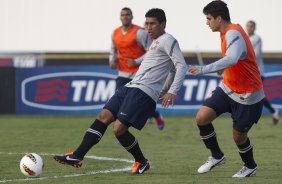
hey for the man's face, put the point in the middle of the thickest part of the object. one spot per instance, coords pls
(126, 17)
(250, 28)
(213, 23)
(154, 28)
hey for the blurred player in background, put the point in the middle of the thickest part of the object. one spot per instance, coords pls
(239, 93)
(257, 44)
(160, 76)
(129, 44)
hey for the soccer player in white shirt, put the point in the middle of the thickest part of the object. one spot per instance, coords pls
(160, 75)
(257, 44)
(127, 53)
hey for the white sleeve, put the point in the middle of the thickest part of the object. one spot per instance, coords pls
(173, 50)
(143, 39)
(236, 50)
(113, 51)
(168, 82)
(257, 45)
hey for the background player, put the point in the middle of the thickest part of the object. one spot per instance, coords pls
(257, 44)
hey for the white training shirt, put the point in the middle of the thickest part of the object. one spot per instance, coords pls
(257, 45)
(164, 57)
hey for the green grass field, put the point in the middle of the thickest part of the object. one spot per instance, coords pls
(175, 153)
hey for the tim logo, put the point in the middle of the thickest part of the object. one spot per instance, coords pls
(273, 87)
(68, 90)
(54, 89)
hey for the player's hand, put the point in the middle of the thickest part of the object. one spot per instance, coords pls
(167, 99)
(113, 65)
(193, 70)
(131, 62)
(219, 73)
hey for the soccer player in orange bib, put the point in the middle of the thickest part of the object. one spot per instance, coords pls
(239, 93)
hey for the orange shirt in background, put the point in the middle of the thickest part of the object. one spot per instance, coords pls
(127, 47)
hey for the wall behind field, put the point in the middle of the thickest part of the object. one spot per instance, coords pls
(86, 25)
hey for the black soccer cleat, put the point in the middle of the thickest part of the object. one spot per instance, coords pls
(69, 159)
(140, 168)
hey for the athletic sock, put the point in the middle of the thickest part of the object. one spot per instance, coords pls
(246, 153)
(128, 141)
(208, 135)
(159, 120)
(156, 114)
(268, 105)
(92, 136)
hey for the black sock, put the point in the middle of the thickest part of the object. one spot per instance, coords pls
(208, 135)
(156, 114)
(128, 141)
(268, 105)
(91, 137)
(246, 153)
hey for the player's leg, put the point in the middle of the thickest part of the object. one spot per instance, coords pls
(207, 133)
(268, 106)
(204, 118)
(159, 120)
(120, 82)
(130, 143)
(92, 136)
(274, 112)
(212, 108)
(246, 153)
(134, 113)
(95, 132)
(244, 116)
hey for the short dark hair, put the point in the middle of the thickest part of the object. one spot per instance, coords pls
(157, 13)
(127, 9)
(252, 22)
(217, 8)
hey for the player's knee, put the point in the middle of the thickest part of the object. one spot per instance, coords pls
(119, 128)
(205, 116)
(105, 116)
(201, 118)
(239, 138)
(118, 131)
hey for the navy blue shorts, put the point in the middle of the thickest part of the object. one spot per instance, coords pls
(244, 116)
(121, 81)
(131, 106)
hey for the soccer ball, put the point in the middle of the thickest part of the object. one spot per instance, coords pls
(31, 165)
